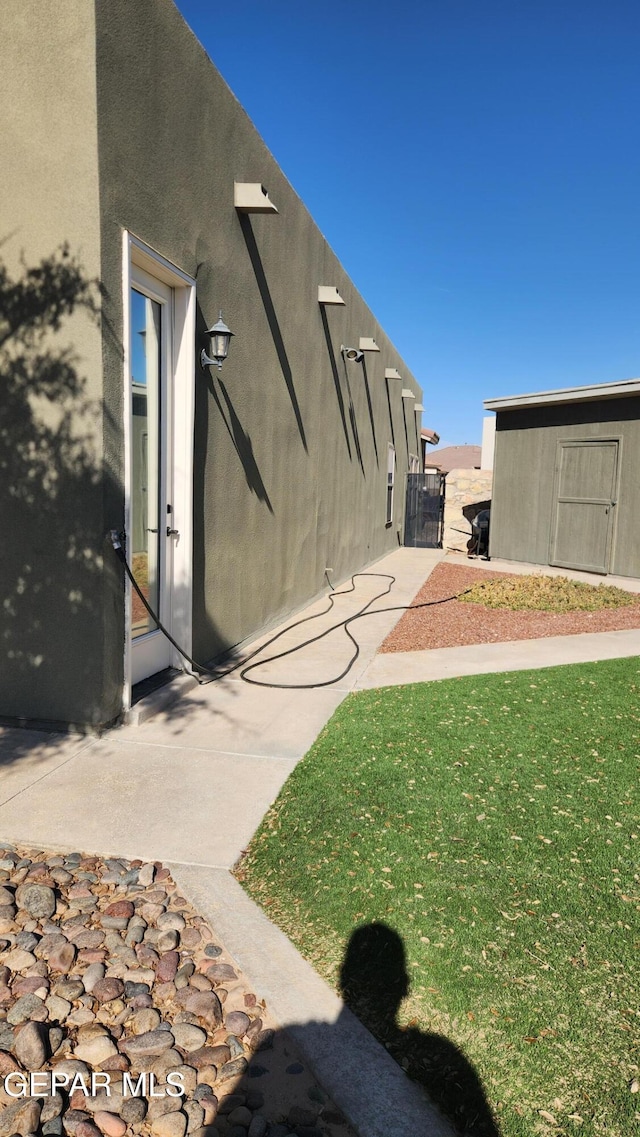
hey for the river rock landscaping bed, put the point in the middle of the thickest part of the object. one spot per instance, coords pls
(115, 995)
(456, 624)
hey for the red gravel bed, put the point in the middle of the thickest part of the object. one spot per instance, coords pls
(457, 624)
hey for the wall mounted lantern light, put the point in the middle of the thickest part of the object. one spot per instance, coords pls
(352, 353)
(220, 336)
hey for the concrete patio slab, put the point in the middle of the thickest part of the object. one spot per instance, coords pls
(149, 801)
(236, 718)
(192, 782)
(27, 756)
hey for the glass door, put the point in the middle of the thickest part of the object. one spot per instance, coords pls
(150, 531)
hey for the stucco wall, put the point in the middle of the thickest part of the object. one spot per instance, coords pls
(488, 442)
(462, 489)
(524, 475)
(56, 617)
(290, 443)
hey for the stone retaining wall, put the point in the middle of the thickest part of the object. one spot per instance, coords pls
(467, 491)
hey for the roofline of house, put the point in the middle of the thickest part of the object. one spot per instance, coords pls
(619, 390)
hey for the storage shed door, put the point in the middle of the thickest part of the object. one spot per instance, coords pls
(586, 481)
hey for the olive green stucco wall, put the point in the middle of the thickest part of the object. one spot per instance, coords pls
(58, 631)
(290, 443)
(523, 503)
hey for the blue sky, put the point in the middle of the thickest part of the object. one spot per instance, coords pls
(474, 164)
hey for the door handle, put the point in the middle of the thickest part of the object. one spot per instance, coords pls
(172, 532)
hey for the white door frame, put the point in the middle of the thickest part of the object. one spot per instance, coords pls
(182, 367)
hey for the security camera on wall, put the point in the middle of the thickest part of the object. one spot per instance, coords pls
(352, 353)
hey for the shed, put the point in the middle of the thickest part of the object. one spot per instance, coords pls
(567, 477)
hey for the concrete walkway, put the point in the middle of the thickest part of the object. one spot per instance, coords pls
(190, 781)
(392, 669)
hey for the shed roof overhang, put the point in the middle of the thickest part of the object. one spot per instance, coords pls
(620, 390)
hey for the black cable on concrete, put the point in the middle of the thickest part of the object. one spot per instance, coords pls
(216, 674)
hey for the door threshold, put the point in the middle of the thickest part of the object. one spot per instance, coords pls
(156, 694)
(153, 683)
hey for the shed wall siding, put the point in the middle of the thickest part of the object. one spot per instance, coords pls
(523, 507)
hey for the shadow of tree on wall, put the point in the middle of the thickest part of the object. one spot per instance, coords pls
(51, 493)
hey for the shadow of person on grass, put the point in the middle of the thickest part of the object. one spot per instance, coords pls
(287, 1078)
(374, 981)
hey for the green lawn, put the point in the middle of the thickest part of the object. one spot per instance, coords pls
(492, 822)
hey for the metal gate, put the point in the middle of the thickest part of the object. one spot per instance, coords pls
(424, 511)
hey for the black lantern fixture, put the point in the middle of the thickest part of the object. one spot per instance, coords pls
(220, 336)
